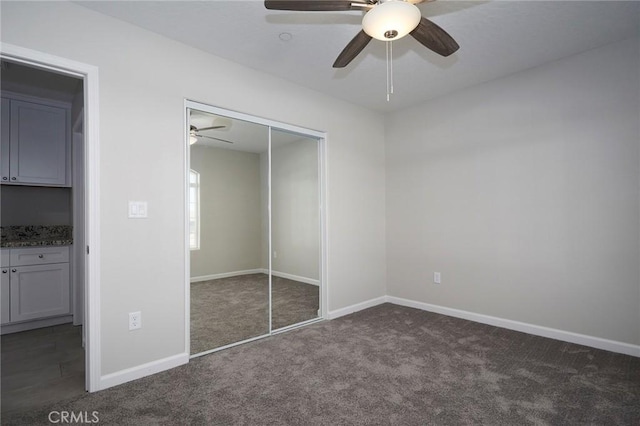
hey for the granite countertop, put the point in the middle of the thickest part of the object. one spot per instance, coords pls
(36, 235)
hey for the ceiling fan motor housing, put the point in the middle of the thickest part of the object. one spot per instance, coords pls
(391, 20)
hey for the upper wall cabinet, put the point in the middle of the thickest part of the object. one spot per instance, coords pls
(35, 142)
(6, 134)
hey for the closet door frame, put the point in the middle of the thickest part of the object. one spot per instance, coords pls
(321, 138)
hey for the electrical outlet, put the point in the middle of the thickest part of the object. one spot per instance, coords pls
(135, 320)
(436, 277)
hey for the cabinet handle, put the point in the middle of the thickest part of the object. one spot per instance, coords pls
(5, 178)
(14, 270)
(41, 256)
(4, 271)
(13, 178)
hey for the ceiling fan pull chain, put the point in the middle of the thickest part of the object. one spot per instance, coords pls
(391, 66)
(389, 70)
(389, 49)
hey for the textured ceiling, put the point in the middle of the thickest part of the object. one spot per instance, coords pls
(497, 38)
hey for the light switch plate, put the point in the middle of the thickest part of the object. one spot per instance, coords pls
(137, 209)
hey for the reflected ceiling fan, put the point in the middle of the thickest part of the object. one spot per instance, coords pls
(386, 20)
(194, 133)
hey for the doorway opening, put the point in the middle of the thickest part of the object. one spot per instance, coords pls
(50, 338)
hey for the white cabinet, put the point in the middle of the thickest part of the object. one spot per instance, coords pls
(5, 297)
(39, 291)
(5, 302)
(35, 143)
(5, 109)
(35, 283)
(38, 255)
(5, 256)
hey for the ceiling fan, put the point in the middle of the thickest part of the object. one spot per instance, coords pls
(385, 20)
(194, 133)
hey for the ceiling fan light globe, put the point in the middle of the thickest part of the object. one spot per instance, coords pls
(391, 20)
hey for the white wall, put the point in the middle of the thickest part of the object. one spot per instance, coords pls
(144, 79)
(230, 211)
(295, 223)
(523, 193)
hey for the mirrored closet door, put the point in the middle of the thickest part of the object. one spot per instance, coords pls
(227, 210)
(295, 228)
(255, 232)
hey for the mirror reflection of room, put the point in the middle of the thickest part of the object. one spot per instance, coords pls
(295, 228)
(229, 289)
(230, 229)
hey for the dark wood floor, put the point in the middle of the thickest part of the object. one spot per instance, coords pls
(40, 367)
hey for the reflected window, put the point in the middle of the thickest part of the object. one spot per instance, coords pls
(194, 210)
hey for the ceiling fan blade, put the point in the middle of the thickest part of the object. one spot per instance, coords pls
(354, 47)
(311, 5)
(434, 38)
(211, 137)
(211, 128)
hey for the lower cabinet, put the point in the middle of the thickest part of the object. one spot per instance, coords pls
(6, 302)
(39, 291)
(35, 284)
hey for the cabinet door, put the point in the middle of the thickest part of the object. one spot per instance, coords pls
(39, 291)
(4, 296)
(38, 149)
(4, 140)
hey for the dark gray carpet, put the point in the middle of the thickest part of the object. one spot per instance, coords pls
(293, 302)
(385, 365)
(233, 309)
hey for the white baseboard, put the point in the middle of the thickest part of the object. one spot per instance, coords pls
(295, 278)
(256, 271)
(537, 330)
(357, 307)
(143, 370)
(225, 275)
